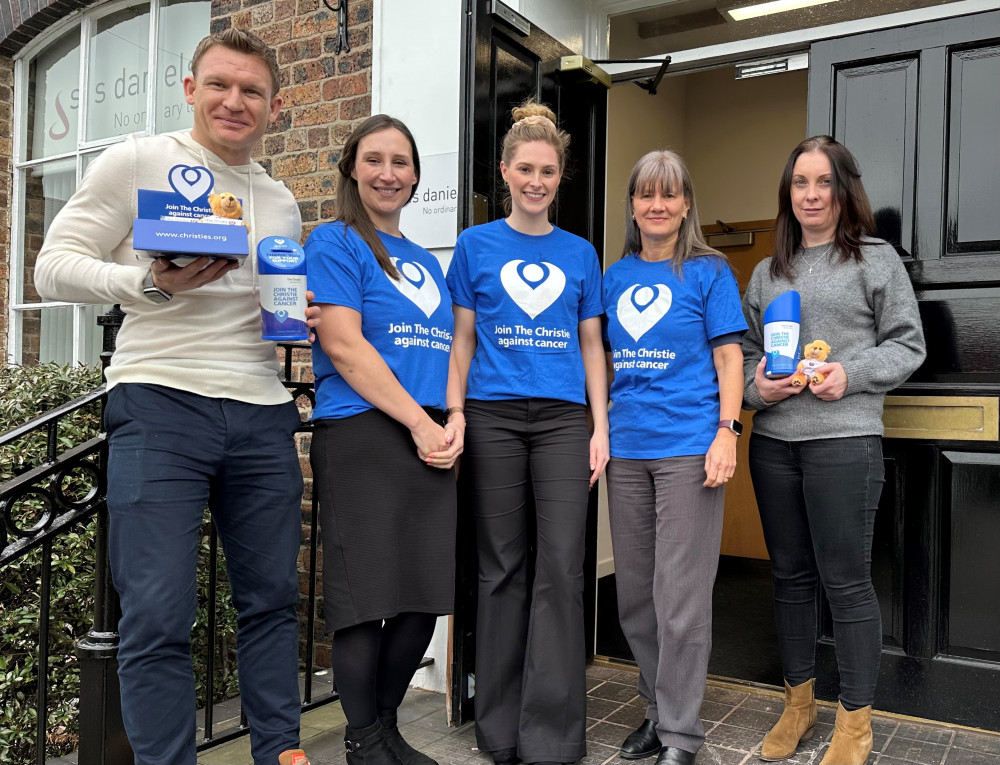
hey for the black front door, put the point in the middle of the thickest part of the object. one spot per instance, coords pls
(919, 107)
(506, 60)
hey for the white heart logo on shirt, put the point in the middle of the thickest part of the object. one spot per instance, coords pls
(639, 308)
(190, 182)
(532, 286)
(418, 285)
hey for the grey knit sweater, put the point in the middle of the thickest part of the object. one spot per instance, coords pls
(866, 312)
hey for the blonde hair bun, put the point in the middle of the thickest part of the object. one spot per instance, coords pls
(533, 113)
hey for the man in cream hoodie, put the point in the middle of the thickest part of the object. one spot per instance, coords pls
(196, 414)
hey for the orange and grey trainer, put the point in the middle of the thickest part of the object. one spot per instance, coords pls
(293, 757)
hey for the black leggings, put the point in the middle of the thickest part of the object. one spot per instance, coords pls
(817, 503)
(373, 663)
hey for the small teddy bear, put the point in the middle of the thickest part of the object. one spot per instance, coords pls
(813, 356)
(225, 206)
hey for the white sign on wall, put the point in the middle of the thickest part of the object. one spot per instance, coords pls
(431, 217)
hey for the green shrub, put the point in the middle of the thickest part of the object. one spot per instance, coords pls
(27, 393)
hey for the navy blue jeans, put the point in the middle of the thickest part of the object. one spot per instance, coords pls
(172, 454)
(817, 503)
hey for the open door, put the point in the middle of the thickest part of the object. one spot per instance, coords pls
(919, 107)
(507, 59)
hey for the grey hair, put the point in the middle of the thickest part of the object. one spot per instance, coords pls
(665, 170)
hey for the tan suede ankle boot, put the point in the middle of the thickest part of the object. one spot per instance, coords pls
(797, 723)
(852, 738)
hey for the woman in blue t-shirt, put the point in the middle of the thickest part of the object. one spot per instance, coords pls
(674, 325)
(388, 430)
(529, 350)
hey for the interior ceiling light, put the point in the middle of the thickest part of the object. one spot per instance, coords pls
(775, 6)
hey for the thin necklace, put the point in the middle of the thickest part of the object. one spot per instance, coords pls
(816, 262)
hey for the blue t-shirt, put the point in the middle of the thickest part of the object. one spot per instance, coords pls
(409, 322)
(665, 395)
(530, 294)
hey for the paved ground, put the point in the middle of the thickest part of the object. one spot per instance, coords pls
(736, 718)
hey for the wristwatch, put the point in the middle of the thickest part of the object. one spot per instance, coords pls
(734, 425)
(153, 292)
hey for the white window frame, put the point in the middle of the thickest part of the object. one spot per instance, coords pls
(84, 20)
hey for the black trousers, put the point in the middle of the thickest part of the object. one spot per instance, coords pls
(817, 503)
(530, 649)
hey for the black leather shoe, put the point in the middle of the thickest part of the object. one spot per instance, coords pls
(671, 755)
(505, 757)
(642, 742)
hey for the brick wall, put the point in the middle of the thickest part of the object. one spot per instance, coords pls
(325, 94)
(6, 151)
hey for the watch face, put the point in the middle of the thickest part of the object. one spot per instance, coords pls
(156, 295)
(734, 425)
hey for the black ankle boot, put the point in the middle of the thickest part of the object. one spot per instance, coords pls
(397, 744)
(368, 746)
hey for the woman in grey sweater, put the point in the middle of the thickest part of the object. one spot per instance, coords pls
(816, 449)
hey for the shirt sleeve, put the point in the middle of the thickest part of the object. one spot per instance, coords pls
(753, 340)
(334, 268)
(899, 336)
(590, 303)
(723, 313)
(74, 263)
(459, 283)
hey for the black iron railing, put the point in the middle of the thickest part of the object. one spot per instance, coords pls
(66, 491)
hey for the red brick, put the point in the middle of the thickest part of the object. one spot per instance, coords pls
(318, 137)
(318, 114)
(356, 108)
(295, 165)
(344, 86)
(308, 25)
(300, 95)
(277, 33)
(296, 140)
(274, 144)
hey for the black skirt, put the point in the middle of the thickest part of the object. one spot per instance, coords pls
(387, 522)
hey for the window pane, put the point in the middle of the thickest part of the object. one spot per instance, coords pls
(90, 336)
(47, 188)
(116, 97)
(47, 334)
(54, 98)
(182, 25)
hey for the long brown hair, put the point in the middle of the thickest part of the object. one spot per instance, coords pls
(665, 170)
(350, 209)
(533, 122)
(855, 221)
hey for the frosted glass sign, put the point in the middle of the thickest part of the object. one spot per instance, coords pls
(119, 76)
(55, 97)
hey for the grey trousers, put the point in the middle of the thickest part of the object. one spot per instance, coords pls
(530, 650)
(666, 529)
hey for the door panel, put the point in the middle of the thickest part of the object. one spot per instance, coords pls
(919, 106)
(973, 158)
(502, 66)
(886, 145)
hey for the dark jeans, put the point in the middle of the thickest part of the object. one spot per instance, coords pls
(817, 503)
(530, 651)
(172, 454)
